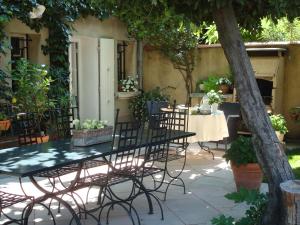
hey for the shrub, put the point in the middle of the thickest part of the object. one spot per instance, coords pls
(279, 123)
(241, 151)
(211, 84)
(138, 105)
(253, 215)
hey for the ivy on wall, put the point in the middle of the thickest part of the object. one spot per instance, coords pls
(58, 18)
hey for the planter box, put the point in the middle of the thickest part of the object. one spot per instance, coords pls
(126, 95)
(91, 137)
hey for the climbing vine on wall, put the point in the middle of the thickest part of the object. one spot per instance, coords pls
(58, 18)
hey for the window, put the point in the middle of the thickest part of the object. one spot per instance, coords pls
(121, 50)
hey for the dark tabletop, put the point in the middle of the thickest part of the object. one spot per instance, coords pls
(28, 160)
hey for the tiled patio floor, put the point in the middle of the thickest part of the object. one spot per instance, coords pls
(207, 182)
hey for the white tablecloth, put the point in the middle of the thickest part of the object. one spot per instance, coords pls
(208, 127)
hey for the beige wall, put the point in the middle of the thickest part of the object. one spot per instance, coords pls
(158, 71)
(292, 87)
(16, 27)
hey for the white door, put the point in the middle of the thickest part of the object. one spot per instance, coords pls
(107, 79)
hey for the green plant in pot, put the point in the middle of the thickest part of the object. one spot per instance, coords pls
(211, 84)
(279, 125)
(138, 105)
(32, 84)
(214, 99)
(4, 122)
(224, 84)
(246, 170)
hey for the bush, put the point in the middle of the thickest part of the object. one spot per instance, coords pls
(279, 123)
(241, 151)
(254, 199)
(211, 84)
(138, 105)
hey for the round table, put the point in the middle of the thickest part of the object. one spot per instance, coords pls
(211, 127)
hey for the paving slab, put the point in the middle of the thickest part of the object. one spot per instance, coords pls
(207, 181)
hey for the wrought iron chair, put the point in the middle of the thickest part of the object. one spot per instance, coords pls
(177, 150)
(8, 200)
(156, 154)
(26, 126)
(233, 116)
(121, 167)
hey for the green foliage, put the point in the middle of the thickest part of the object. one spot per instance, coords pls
(5, 90)
(89, 124)
(257, 202)
(224, 80)
(214, 97)
(294, 160)
(241, 151)
(58, 18)
(281, 30)
(3, 116)
(279, 123)
(32, 86)
(138, 105)
(211, 84)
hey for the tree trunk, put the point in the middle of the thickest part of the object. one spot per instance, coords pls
(268, 149)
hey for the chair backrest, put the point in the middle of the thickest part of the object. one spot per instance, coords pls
(159, 132)
(230, 108)
(26, 127)
(180, 122)
(63, 119)
(232, 113)
(126, 140)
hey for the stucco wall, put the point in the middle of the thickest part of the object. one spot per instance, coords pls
(36, 41)
(291, 97)
(158, 71)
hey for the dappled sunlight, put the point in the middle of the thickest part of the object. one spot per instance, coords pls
(194, 176)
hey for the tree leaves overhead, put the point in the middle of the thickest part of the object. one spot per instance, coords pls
(248, 13)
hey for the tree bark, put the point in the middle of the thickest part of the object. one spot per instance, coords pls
(268, 149)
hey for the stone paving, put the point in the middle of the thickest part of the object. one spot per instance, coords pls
(207, 182)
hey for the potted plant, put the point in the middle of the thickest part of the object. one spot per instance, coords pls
(246, 170)
(138, 105)
(224, 84)
(128, 87)
(4, 122)
(210, 84)
(91, 132)
(214, 99)
(32, 83)
(279, 125)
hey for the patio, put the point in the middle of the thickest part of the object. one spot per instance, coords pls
(207, 182)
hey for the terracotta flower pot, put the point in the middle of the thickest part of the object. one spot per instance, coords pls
(4, 125)
(248, 176)
(42, 139)
(224, 88)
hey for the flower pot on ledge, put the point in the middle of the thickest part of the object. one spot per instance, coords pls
(126, 95)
